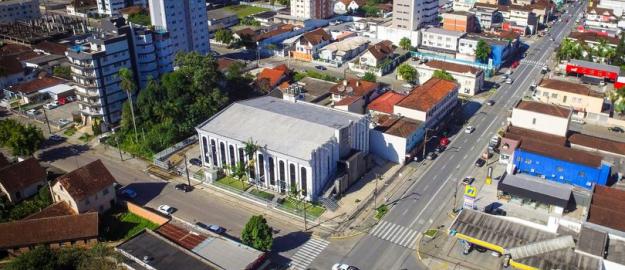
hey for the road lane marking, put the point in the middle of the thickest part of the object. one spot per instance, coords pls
(430, 201)
(396, 234)
(387, 232)
(307, 253)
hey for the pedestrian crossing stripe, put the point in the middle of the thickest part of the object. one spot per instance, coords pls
(306, 254)
(395, 234)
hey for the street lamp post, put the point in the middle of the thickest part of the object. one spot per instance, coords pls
(425, 141)
(47, 120)
(186, 167)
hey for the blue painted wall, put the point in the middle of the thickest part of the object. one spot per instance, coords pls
(559, 170)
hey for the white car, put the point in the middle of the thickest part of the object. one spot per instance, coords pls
(342, 266)
(31, 112)
(469, 129)
(509, 81)
(64, 122)
(166, 209)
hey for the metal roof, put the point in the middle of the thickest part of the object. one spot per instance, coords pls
(592, 241)
(537, 189)
(594, 65)
(227, 253)
(542, 247)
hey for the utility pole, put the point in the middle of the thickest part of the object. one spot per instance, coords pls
(305, 219)
(47, 121)
(425, 141)
(187, 169)
(375, 191)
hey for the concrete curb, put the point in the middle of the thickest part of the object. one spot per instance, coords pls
(345, 237)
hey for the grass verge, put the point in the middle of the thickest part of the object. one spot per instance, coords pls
(234, 183)
(381, 211)
(312, 210)
(261, 194)
(431, 233)
(70, 131)
(119, 224)
(244, 11)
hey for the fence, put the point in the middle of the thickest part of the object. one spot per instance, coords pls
(147, 214)
(160, 159)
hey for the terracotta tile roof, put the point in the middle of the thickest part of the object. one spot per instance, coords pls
(347, 100)
(281, 29)
(20, 175)
(601, 11)
(352, 87)
(562, 153)
(57, 229)
(452, 67)
(54, 210)
(382, 49)
(246, 32)
(397, 126)
(37, 84)
(316, 36)
(598, 143)
(11, 65)
(13, 49)
(51, 47)
(385, 102)
(3, 161)
(569, 87)
(180, 236)
(607, 208)
(86, 180)
(424, 97)
(593, 37)
(283, 86)
(521, 134)
(520, 7)
(544, 108)
(274, 75)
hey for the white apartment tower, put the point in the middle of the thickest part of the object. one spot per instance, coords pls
(13, 10)
(414, 14)
(312, 9)
(185, 20)
(112, 7)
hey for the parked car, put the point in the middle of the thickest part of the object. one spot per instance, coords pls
(183, 187)
(64, 122)
(195, 161)
(31, 112)
(166, 209)
(616, 129)
(509, 80)
(430, 156)
(51, 105)
(469, 129)
(490, 102)
(129, 193)
(439, 149)
(480, 162)
(342, 266)
(320, 67)
(56, 138)
(468, 180)
(211, 227)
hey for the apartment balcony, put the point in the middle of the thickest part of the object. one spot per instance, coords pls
(91, 112)
(87, 93)
(84, 75)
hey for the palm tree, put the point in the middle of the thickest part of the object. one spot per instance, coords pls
(250, 150)
(128, 84)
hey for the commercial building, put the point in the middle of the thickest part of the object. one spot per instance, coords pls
(96, 62)
(503, 47)
(396, 138)
(385, 103)
(291, 156)
(601, 18)
(86, 189)
(593, 70)
(438, 40)
(461, 21)
(471, 79)
(547, 118)
(548, 196)
(413, 14)
(14, 10)
(429, 102)
(186, 21)
(581, 99)
(312, 9)
(592, 39)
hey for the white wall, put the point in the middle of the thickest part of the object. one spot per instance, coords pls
(540, 122)
(389, 147)
(410, 113)
(396, 34)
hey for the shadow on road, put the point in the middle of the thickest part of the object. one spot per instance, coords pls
(146, 191)
(286, 243)
(62, 152)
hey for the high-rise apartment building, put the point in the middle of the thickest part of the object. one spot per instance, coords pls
(312, 9)
(413, 14)
(112, 7)
(96, 63)
(13, 10)
(185, 20)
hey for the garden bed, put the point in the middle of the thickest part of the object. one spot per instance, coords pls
(262, 194)
(312, 210)
(233, 183)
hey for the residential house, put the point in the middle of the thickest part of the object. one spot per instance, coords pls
(386, 10)
(461, 21)
(307, 89)
(15, 72)
(54, 231)
(344, 50)
(88, 188)
(384, 104)
(22, 180)
(265, 18)
(275, 35)
(440, 41)
(33, 91)
(581, 99)
(221, 17)
(471, 79)
(487, 16)
(430, 102)
(347, 6)
(353, 95)
(291, 156)
(396, 138)
(601, 18)
(274, 76)
(379, 59)
(308, 46)
(547, 118)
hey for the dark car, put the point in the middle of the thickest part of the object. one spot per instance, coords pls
(195, 161)
(490, 102)
(320, 67)
(480, 162)
(211, 227)
(616, 129)
(183, 187)
(431, 156)
(439, 149)
(468, 180)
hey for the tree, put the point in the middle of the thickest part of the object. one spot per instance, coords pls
(482, 51)
(41, 257)
(140, 18)
(250, 150)
(370, 11)
(443, 75)
(257, 233)
(99, 257)
(23, 140)
(62, 71)
(405, 43)
(407, 72)
(284, 2)
(619, 54)
(128, 85)
(224, 36)
(234, 71)
(369, 76)
(249, 21)
(263, 85)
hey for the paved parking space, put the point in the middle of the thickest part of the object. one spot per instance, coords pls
(62, 112)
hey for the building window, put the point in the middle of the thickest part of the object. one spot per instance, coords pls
(205, 145)
(528, 161)
(581, 174)
(261, 167)
(293, 174)
(303, 180)
(559, 169)
(232, 161)
(214, 152)
(554, 95)
(222, 152)
(534, 121)
(241, 155)
(281, 173)
(272, 174)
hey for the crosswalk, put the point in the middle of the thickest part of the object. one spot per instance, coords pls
(307, 253)
(396, 234)
(532, 62)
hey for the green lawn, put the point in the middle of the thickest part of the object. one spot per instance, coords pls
(431, 233)
(70, 131)
(118, 225)
(234, 183)
(261, 194)
(381, 211)
(312, 210)
(244, 11)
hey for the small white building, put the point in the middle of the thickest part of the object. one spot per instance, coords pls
(429, 102)
(393, 138)
(541, 117)
(346, 6)
(301, 144)
(433, 38)
(471, 79)
(342, 51)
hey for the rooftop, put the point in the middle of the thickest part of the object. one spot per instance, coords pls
(593, 65)
(543, 108)
(570, 87)
(86, 180)
(607, 208)
(346, 44)
(265, 15)
(520, 134)
(280, 125)
(56, 209)
(385, 102)
(441, 31)
(316, 36)
(354, 87)
(48, 230)
(398, 126)
(598, 143)
(51, 47)
(562, 153)
(218, 14)
(227, 253)
(36, 85)
(274, 75)
(426, 96)
(281, 29)
(593, 37)
(452, 67)
(382, 49)
(18, 176)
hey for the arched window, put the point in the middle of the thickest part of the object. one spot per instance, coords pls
(293, 173)
(303, 180)
(205, 145)
(214, 152)
(233, 162)
(222, 153)
(281, 167)
(272, 174)
(261, 167)
(241, 155)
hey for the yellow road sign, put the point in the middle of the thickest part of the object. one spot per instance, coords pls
(470, 191)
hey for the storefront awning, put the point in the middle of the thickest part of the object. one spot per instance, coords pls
(537, 189)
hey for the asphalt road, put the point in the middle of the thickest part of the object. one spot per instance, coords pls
(433, 193)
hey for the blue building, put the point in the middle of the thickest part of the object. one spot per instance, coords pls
(503, 49)
(561, 164)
